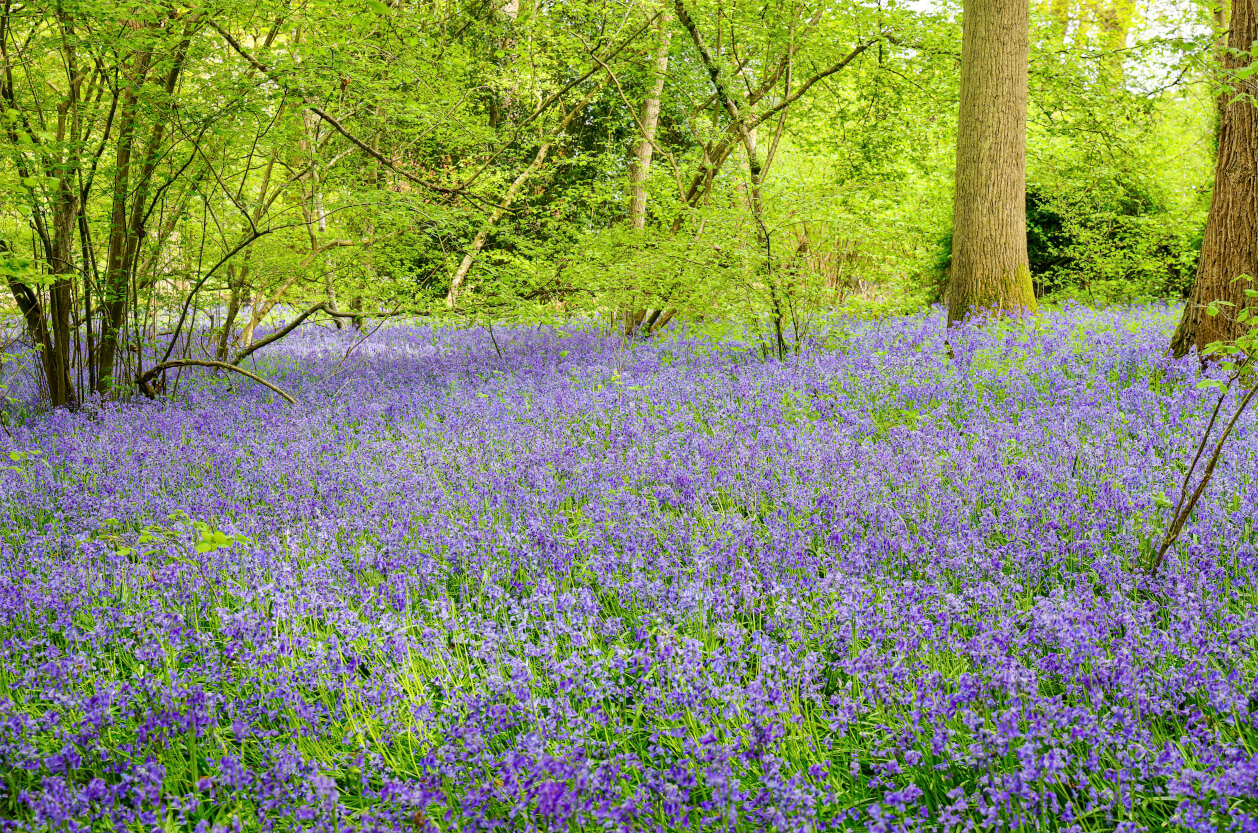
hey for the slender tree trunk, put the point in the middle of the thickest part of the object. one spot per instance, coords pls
(482, 234)
(1116, 23)
(133, 180)
(238, 280)
(1219, 14)
(32, 310)
(504, 205)
(1230, 245)
(746, 132)
(61, 294)
(48, 322)
(989, 255)
(260, 310)
(316, 215)
(234, 295)
(117, 285)
(329, 272)
(640, 168)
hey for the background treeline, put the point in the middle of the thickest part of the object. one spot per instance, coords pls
(172, 174)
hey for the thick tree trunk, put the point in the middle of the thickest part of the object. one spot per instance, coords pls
(989, 255)
(1230, 245)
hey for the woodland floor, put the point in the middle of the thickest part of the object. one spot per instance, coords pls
(580, 586)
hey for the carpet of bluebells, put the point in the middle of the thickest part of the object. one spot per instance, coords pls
(580, 585)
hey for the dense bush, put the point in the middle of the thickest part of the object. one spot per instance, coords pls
(1107, 240)
(1101, 242)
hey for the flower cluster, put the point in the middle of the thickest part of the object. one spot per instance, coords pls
(583, 585)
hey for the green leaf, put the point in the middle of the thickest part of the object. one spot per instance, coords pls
(378, 7)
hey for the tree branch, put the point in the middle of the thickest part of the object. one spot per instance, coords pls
(808, 82)
(292, 325)
(556, 96)
(337, 126)
(151, 373)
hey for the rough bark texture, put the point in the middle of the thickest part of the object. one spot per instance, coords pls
(989, 255)
(1230, 245)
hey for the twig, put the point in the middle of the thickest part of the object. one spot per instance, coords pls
(1181, 514)
(490, 326)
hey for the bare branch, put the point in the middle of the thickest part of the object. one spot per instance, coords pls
(147, 389)
(292, 325)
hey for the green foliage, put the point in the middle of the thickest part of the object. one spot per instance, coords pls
(19, 269)
(1107, 239)
(428, 115)
(1235, 358)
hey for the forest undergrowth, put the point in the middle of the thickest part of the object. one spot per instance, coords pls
(558, 583)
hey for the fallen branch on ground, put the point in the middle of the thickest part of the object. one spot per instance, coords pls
(144, 382)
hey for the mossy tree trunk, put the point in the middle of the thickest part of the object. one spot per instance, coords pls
(989, 254)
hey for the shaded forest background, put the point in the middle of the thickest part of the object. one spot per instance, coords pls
(178, 178)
